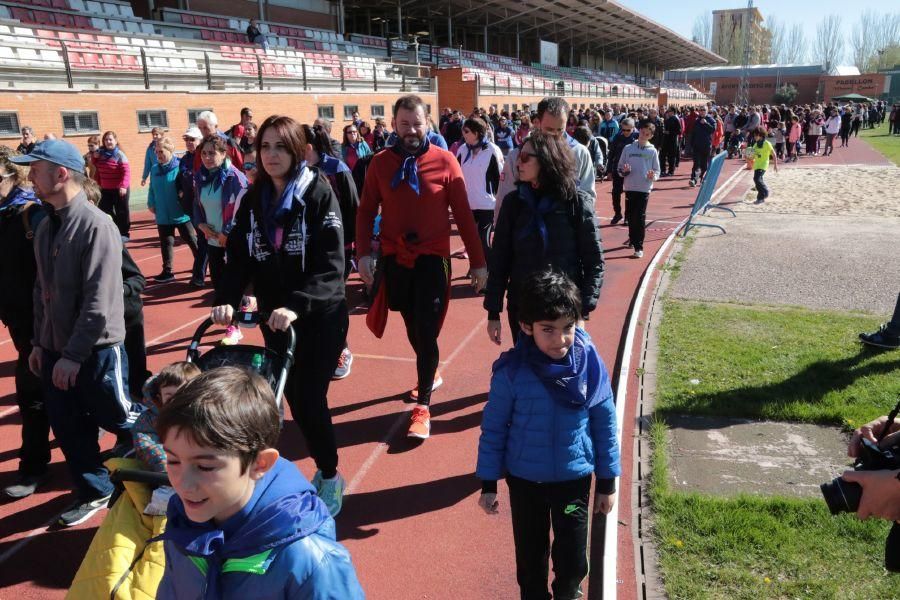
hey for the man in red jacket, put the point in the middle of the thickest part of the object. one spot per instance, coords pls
(414, 182)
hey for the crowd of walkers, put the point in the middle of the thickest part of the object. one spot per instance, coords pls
(284, 212)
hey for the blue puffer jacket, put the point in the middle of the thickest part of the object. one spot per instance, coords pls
(280, 545)
(527, 433)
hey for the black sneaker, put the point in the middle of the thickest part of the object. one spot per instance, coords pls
(615, 219)
(82, 510)
(692, 183)
(165, 276)
(881, 339)
(197, 283)
(25, 486)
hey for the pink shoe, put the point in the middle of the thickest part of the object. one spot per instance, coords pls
(232, 337)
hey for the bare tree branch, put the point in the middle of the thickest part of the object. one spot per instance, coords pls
(702, 31)
(795, 49)
(829, 42)
(779, 40)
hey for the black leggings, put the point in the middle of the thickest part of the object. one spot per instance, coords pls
(636, 213)
(484, 220)
(420, 294)
(167, 241)
(116, 206)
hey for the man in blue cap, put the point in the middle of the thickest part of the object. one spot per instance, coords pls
(79, 325)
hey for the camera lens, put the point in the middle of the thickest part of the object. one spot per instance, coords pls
(841, 496)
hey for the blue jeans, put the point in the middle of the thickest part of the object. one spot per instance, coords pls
(98, 399)
(762, 191)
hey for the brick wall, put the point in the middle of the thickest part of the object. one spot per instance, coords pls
(871, 85)
(118, 112)
(762, 89)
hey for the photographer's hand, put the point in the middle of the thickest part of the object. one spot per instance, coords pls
(880, 495)
(869, 431)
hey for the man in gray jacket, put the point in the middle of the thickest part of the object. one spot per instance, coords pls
(79, 324)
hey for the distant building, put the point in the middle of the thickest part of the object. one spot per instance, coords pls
(728, 35)
(764, 81)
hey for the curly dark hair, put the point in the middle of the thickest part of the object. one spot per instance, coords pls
(557, 164)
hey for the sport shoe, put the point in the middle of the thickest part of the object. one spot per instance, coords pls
(881, 339)
(345, 361)
(197, 282)
(330, 491)
(25, 486)
(233, 336)
(615, 219)
(692, 183)
(438, 382)
(420, 423)
(81, 511)
(759, 201)
(638, 254)
(165, 276)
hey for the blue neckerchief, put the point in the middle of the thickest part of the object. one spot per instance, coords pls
(573, 381)
(482, 145)
(172, 164)
(216, 177)
(331, 165)
(274, 212)
(539, 207)
(409, 170)
(17, 197)
(186, 164)
(114, 154)
(570, 140)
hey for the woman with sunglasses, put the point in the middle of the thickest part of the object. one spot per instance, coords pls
(288, 243)
(547, 222)
(354, 147)
(482, 163)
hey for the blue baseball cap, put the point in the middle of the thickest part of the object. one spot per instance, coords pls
(58, 152)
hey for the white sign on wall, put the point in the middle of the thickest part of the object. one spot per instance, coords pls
(549, 53)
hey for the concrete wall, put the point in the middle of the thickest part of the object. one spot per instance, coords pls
(118, 112)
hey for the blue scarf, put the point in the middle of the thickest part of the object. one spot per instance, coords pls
(573, 381)
(275, 212)
(539, 207)
(409, 170)
(18, 197)
(114, 154)
(166, 168)
(330, 165)
(216, 177)
(482, 145)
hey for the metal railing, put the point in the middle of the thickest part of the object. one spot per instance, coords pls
(561, 88)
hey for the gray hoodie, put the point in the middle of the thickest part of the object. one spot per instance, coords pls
(78, 299)
(640, 159)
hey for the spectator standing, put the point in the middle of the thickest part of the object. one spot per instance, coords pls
(28, 141)
(584, 137)
(626, 136)
(168, 212)
(793, 140)
(846, 123)
(413, 185)
(186, 196)
(20, 215)
(239, 129)
(114, 177)
(504, 136)
(453, 131)
(156, 134)
(326, 125)
(247, 141)
(653, 117)
(701, 144)
(639, 166)
(813, 132)
(79, 323)
(207, 123)
(93, 144)
(669, 154)
(609, 127)
(354, 147)
(832, 129)
(481, 162)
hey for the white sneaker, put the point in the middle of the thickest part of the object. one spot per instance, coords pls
(638, 254)
(233, 336)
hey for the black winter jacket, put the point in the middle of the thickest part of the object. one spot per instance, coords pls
(133, 281)
(307, 274)
(574, 248)
(18, 269)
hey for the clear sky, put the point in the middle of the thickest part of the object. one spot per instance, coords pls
(679, 16)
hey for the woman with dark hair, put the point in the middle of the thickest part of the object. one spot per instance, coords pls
(365, 134)
(288, 243)
(344, 187)
(354, 147)
(219, 187)
(482, 163)
(547, 222)
(113, 174)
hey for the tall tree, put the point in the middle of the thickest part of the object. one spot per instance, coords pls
(862, 40)
(778, 43)
(795, 44)
(829, 42)
(701, 34)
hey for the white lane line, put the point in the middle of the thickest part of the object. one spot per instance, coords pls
(9, 411)
(380, 357)
(382, 446)
(157, 256)
(610, 541)
(22, 542)
(177, 329)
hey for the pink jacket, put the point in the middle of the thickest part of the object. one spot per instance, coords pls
(794, 134)
(112, 172)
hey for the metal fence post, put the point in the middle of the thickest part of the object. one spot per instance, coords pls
(343, 82)
(402, 81)
(303, 67)
(208, 71)
(146, 73)
(67, 64)
(375, 77)
(259, 73)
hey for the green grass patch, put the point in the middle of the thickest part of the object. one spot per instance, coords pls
(787, 364)
(674, 264)
(881, 140)
(752, 548)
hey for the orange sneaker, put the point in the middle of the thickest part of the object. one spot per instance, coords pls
(420, 424)
(438, 382)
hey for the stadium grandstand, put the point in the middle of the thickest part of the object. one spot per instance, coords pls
(79, 67)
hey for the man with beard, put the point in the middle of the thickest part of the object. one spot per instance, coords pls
(414, 183)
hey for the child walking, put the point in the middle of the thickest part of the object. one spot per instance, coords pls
(639, 165)
(548, 425)
(761, 151)
(793, 145)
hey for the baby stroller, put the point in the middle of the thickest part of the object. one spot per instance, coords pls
(120, 563)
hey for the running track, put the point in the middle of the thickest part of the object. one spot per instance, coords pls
(410, 518)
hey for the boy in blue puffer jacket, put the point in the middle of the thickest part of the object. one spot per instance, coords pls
(245, 523)
(548, 425)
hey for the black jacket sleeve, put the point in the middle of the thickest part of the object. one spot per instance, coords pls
(501, 257)
(590, 250)
(133, 283)
(323, 277)
(238, 267)
(348, 198)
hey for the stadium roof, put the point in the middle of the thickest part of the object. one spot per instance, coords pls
(755, 71)
(601, 26)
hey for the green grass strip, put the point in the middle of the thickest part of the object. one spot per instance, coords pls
(881, 140)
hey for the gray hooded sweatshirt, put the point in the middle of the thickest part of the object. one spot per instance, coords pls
(640, 159)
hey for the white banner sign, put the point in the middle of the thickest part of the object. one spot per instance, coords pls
(549, 53)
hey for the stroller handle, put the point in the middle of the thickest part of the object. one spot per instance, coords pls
(193, 352)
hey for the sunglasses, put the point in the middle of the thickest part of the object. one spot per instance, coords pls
(248, 166)
(627, 130)
(525, 157)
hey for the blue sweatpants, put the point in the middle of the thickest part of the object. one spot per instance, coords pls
(98, 399)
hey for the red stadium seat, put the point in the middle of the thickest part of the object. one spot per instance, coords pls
(64, 20)
(83, 22)
(62, 4)
(43, 17)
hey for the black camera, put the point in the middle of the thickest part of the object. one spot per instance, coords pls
(844, 496)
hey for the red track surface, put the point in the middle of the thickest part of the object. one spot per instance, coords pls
(410, 518)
